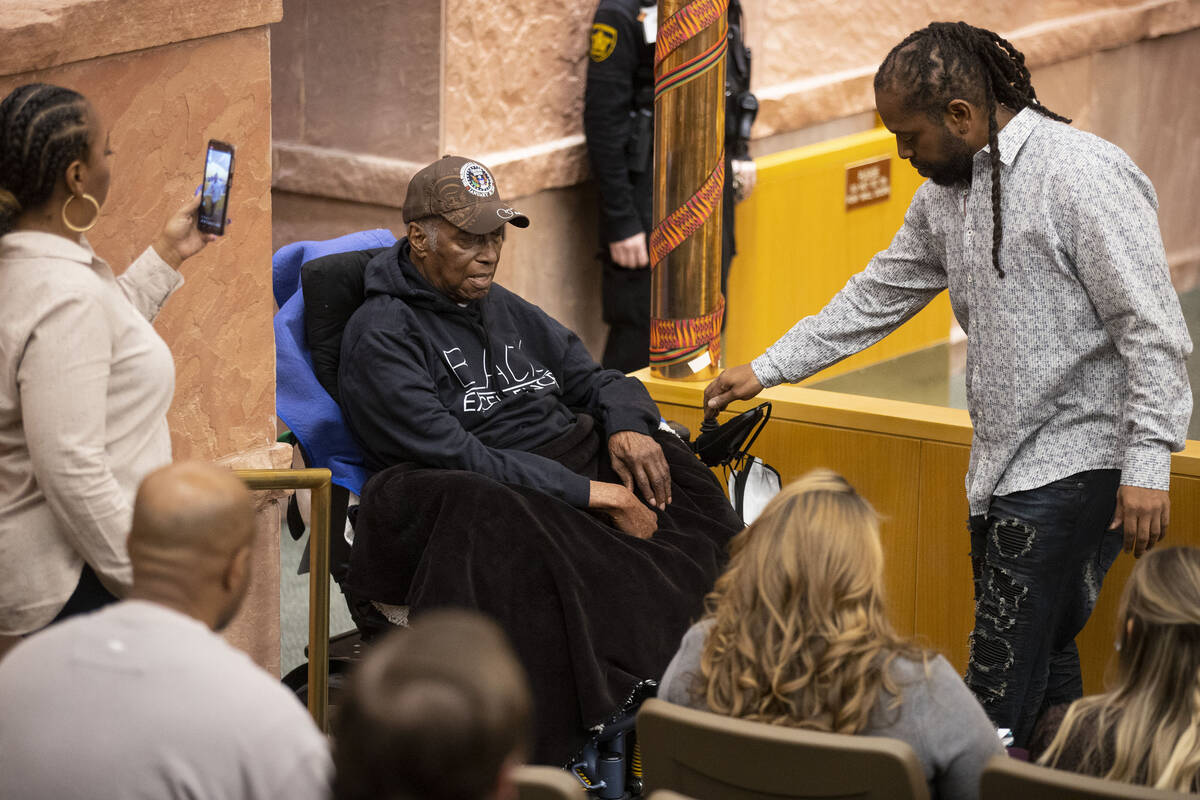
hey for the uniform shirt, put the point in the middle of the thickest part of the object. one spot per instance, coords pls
(938, 716)
(85, 384)
(620, 81)
(139, 701)
(1075, 359)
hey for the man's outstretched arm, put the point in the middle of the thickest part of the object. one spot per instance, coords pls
(896, 284)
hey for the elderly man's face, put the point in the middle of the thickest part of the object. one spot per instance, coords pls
(459, 264)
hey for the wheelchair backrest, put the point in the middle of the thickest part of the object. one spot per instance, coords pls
(333, 291)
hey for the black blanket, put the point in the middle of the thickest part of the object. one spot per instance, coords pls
(590, 610)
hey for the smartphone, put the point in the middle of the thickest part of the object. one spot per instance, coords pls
(214, 193)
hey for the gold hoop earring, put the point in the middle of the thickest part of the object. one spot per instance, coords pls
(91, 224)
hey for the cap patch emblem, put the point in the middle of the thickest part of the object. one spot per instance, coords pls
(477, 180)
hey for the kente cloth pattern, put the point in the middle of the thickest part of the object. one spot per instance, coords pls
(689, 217)
(591, 611)
(673, 340)
(694, 67)
(686, 23)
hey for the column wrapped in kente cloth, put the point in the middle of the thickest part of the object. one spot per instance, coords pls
(686, 306)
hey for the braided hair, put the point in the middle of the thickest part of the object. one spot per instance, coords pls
(43, 128)
(949, 60)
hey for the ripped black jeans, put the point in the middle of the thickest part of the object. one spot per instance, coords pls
(1038, 558)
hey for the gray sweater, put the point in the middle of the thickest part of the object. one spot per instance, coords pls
(938, 716)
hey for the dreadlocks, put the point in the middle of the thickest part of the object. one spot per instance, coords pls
(954, 60)
(43, 128)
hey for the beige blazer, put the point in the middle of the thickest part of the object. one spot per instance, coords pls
(85, 384)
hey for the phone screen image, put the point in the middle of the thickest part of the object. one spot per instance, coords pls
(214, 199)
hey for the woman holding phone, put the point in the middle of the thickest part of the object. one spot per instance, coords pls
(85, 381)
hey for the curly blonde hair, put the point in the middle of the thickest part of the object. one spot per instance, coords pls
(800, 635)
(1148, 726)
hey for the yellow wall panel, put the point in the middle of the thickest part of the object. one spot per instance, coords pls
(797, 246)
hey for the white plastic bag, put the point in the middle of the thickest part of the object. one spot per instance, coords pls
(752, 484)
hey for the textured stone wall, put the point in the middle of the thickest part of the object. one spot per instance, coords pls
(513, 81)
(1130, 96)
(357, 89)
(511, 91)
(162, 103)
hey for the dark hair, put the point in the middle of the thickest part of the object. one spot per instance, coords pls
(949, 60)
(432, 712)
(43, 128)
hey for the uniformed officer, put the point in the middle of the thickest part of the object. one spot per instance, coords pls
(618, 121)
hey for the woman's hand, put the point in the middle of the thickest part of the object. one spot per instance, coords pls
(180, 238)
(622, 506)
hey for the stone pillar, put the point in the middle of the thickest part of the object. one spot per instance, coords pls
(166, 77)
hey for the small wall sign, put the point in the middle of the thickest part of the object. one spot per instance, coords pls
(868, 181)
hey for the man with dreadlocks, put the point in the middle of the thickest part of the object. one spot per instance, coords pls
(1047, 238)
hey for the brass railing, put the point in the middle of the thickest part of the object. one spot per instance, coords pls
(318, 480)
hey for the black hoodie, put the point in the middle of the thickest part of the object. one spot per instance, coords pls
(475, 387)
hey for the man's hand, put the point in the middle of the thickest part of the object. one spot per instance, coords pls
(630, 253)
(638, 459)
(735, 383)
(1144, 514)
(627, 512)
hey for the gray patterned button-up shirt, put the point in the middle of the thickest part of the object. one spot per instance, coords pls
(1075, 359)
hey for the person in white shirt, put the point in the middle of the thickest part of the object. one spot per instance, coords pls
(142, 698)
(85, 381)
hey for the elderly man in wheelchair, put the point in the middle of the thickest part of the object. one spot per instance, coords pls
(508, 471)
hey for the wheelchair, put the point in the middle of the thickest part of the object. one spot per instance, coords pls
(318, 286)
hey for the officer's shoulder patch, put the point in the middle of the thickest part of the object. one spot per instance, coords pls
(603, 40)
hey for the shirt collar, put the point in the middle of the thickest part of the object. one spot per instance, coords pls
(38, 244)
(1013, 135)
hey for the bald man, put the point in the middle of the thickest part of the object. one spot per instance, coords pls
(143, 698)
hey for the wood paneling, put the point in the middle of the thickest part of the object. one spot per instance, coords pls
(945, 608)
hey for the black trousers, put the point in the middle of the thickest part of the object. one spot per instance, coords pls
(1039, 558)
(89, 595)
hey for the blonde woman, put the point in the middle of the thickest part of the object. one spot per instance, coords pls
(1146, 730)
(796, 633)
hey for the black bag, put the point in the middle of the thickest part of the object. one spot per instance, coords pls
(752, 482)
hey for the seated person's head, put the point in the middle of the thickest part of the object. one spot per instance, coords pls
(801, 601)
(192, 539)
(1148, 724)
(439, 711)
(456, 224)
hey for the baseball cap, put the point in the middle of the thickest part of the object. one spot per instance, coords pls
(462, 192)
